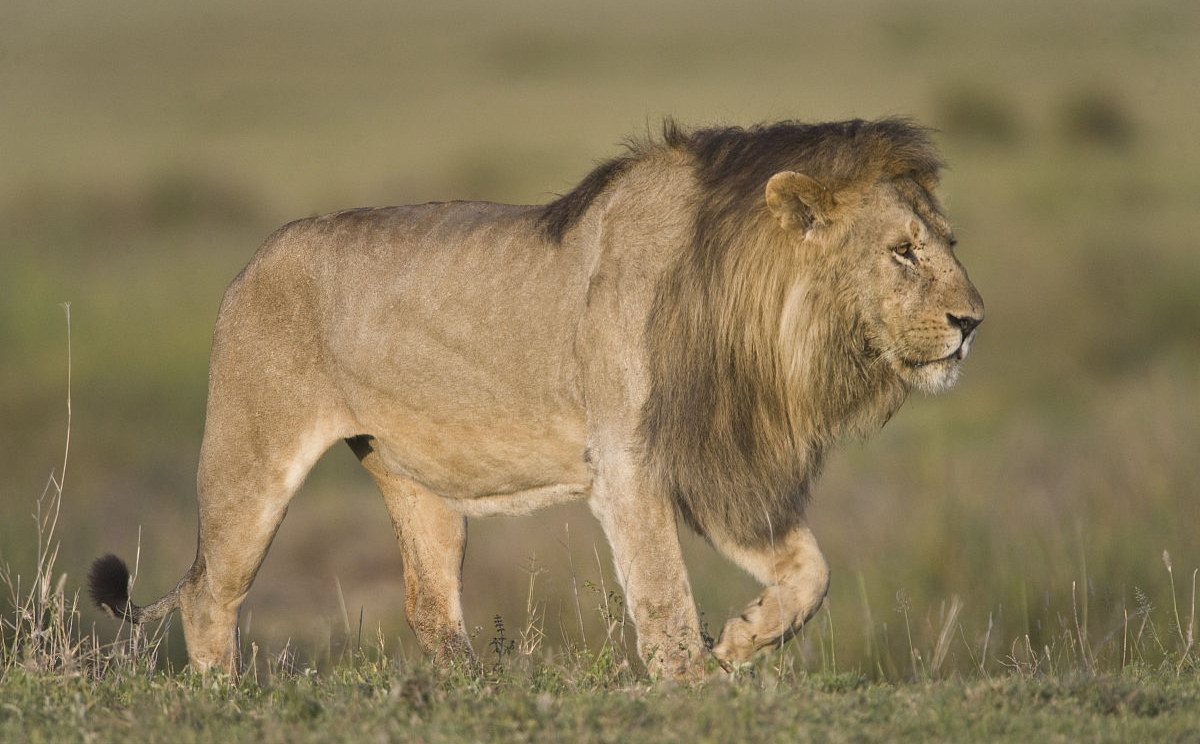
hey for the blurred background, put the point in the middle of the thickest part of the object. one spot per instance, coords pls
(147, 148)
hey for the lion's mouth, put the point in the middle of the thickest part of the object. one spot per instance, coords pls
(965, 347)
(959, 354)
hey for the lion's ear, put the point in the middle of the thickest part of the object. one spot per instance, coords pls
(798, 201)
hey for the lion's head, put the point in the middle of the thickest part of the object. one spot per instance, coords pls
(917, 310)
(819, 287)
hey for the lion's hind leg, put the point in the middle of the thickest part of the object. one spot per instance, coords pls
(248, 476)
(796, 578)
(433, 541)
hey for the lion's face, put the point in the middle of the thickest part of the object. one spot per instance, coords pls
(892, 253)
(920, 310)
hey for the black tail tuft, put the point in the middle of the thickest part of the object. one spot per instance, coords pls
(108, 585)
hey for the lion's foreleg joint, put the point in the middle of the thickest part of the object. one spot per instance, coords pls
(797, 578)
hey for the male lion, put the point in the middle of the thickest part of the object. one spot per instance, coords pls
(683, 335)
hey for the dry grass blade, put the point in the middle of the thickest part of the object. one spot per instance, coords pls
(945, 636)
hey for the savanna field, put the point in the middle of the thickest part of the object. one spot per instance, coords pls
(1013, 560)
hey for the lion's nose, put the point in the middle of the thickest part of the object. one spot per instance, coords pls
(965, 323)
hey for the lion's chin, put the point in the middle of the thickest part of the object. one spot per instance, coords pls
(932, 377)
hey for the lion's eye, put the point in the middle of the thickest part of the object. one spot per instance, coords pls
(903, 251)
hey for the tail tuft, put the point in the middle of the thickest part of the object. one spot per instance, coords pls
(108, 585)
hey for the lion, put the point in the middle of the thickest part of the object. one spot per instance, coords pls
(683, 336)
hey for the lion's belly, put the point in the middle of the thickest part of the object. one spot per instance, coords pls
(520, 502)
(489, 425)
(490, 468)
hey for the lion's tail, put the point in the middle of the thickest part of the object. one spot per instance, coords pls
(108, 585)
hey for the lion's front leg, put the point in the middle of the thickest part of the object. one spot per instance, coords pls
(642, 532)
(796, 578)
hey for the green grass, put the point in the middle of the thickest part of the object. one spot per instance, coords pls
(996, 551)
(58, 684)
(366, 702)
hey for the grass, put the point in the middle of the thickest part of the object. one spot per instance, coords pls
(367, 702)
(58, 684)
(997, 552)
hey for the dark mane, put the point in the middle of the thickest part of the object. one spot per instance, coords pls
(563, 213)
(728, 436)
(735, 163)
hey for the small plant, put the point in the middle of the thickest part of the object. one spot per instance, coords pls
(534, 632)
(904, 607)
(1186, 635)
(42, 633)
(501, 644)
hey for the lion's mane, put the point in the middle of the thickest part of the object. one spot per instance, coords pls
(734, 430)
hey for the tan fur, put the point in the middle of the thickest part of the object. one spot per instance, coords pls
(684, 334)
